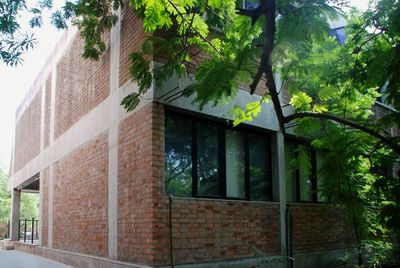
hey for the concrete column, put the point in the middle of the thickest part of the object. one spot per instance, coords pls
(40, 209)
(42, 141)
(280, 162)
(51, 155)
(113, 133)
(15, 207)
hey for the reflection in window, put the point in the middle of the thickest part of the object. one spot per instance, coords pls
(299, 173)
(213, 160)
(321, 180)
(178, 156)
(235, 162)
(305, 174)
(290, 171)
(258, 159)
(207, 160)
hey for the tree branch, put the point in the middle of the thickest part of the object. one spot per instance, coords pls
(387, 141)
(269, 7)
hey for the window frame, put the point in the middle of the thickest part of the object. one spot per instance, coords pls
(313, 159)
(223, 125)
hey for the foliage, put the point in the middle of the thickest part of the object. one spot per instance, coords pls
(5, 199)
(28, 207)
(333, 87)
(4, 196)
(12, 42)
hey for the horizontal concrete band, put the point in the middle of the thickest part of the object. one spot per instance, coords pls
(74, 259)
(301, 260)
(92, 124)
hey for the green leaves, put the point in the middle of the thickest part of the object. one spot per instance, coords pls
(141, 72)
(215, 4)
(301, 101)
(252, 109)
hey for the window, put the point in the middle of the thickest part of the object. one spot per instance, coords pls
(300, 163)
(340, 34)
(208, 159)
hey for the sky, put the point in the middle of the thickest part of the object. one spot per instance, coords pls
(16, 81)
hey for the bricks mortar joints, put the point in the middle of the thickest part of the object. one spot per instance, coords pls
(55, 55)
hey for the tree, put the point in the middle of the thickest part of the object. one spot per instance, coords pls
(5, 196)
(29, 204)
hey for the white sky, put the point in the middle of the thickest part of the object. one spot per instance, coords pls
(16, 81)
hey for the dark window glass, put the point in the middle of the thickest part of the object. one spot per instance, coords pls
(211, 160)
(290, 171)
(305, 174)
(258, 168)
(321, 180)
(208, 175)
(235, 164)
(178, 156)
(299, 173)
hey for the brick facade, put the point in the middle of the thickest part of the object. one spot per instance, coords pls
(210, 230)
(132, 37)
(47, 112)
(140, 162)
(80, 199)
(320, 227)
(81, 85)
(27, 133)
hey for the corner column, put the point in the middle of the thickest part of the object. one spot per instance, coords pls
(15, 208)
(280, 155)
(113, 133)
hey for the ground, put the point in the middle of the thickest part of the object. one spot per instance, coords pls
(17, 259)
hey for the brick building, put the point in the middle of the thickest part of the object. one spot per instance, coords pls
(166, 183)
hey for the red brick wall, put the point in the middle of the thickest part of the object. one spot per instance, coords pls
(320, 227)
(80, 199)
(44, 176)
(27, 133)
(81, 85)
(205, 230)
(140, 178)
(132, 37)
(47, 112)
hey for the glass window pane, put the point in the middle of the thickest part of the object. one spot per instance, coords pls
(234, 153)
(208, 160)
(290, 171)
(260, 183)
(321, 180)
(178, 156)
(304, 160)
